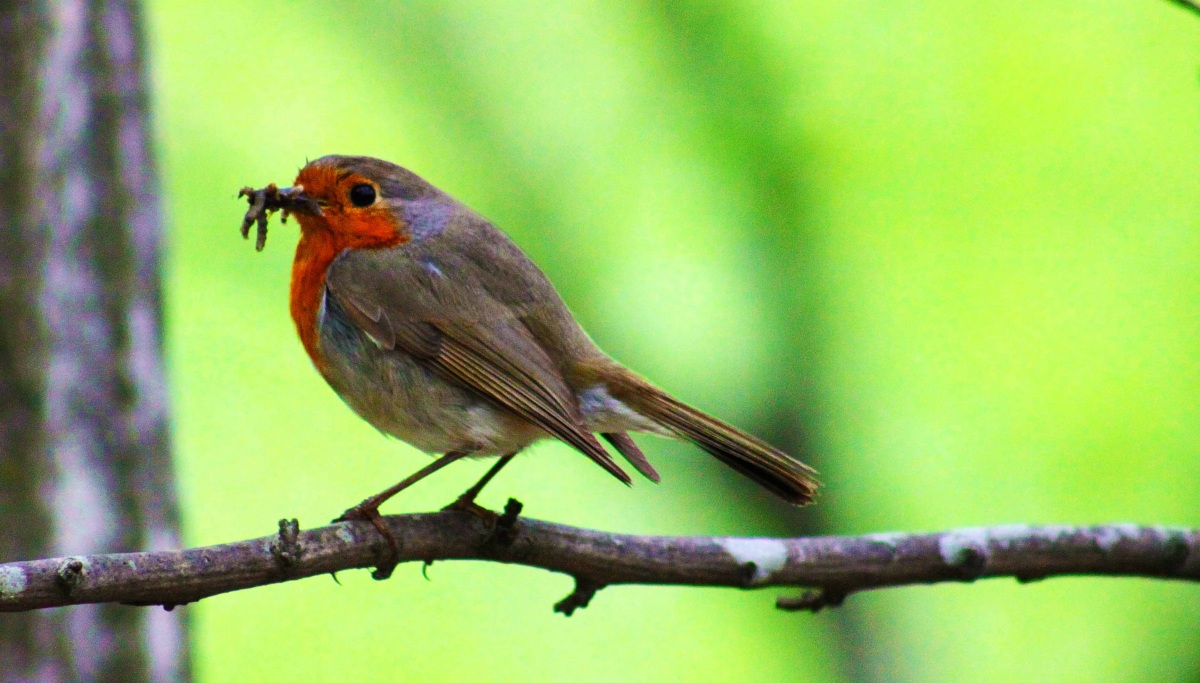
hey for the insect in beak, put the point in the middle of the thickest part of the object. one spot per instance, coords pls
(270, 199)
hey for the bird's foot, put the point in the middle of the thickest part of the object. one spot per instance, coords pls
(502, 527)
(387, 562)
(468, 505)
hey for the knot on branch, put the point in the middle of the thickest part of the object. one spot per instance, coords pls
(71, 573)
(1177, 550)
(504, 533)
(813, 601)
(286, 548)
(585, 590)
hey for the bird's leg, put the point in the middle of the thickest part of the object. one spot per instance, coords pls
(466, 502)
(369, 508)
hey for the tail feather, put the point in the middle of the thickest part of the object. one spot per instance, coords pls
(749, 455)
(626, 447)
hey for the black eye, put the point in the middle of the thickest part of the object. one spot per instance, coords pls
(362, 195)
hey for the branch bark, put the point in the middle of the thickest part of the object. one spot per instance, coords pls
(835, 566)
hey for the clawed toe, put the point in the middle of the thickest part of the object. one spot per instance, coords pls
(471, 507)
(502, 528)
(386, 564)
(354, 514)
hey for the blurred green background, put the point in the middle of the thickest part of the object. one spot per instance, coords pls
(950, 251)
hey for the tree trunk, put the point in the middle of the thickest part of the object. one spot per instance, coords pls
(84, 461)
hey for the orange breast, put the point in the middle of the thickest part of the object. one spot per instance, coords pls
(323, 237)
(314, 253)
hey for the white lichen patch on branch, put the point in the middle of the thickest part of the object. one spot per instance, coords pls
(767, 555)
(1108, 536)
(890, 540)
(1008, 535)
(956, 547)
(12, 582)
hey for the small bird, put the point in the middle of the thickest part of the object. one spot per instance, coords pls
(437, 329)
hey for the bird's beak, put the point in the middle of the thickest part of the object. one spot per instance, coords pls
(294, 200)
(270, 199)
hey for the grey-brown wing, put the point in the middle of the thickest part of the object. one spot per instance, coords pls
(464, 333)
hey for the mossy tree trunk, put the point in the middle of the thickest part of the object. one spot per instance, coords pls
(84, 461)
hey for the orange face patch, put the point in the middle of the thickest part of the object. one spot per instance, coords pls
(352, 226)
(341, 225)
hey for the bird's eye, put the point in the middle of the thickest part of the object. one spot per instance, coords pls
(362, 195)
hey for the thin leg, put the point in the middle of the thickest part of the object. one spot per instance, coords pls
(362, 510)
(369, 508)
(467, 500)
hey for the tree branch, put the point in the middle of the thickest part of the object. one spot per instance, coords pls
(835, 566)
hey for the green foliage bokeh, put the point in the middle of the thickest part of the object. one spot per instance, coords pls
(958, 243)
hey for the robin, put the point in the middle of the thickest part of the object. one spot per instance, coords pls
(436, 328)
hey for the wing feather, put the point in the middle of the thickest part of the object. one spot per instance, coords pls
(479, 343)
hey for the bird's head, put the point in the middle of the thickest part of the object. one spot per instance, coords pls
(359, 201)
(352, 202)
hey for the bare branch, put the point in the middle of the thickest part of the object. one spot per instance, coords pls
(835, 566)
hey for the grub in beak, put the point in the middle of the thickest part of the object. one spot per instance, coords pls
(270, 199)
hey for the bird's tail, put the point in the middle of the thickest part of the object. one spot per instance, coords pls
(766, 465)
